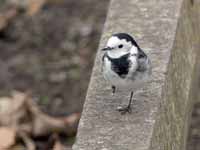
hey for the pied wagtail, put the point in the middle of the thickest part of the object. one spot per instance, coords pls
(125, 65)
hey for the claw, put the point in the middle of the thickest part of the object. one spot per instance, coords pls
(124, 110)
(113, 90)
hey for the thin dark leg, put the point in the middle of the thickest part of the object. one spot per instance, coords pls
(130, 100)
(126, 109)
(113, 89)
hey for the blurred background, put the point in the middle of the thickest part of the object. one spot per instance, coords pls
(50, 51)
(47, 48)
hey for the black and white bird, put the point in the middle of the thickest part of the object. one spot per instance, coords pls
(125, 66)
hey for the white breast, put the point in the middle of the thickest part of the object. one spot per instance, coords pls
(126, 84)
(109, 74)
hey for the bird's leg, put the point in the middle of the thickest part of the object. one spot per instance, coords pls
(113, 89)
(126, 109)
(130, 100)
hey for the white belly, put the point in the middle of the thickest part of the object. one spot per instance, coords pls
(126, 84)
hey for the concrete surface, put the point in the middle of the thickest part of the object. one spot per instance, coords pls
(167, 31)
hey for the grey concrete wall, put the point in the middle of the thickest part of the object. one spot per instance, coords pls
(168, 32)
(181, 87)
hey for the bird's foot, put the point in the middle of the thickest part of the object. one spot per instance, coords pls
(124, 110)
(113, 90)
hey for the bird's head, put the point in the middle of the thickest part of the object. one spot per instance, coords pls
(121, 44)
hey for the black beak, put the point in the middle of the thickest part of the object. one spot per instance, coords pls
(106, 48)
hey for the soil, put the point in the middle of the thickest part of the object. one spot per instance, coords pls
(51, 53)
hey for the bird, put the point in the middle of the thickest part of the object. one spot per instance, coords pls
(125, 66)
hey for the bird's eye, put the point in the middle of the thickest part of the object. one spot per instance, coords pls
(120, 46)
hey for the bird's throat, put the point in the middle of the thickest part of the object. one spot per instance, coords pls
(117, 53)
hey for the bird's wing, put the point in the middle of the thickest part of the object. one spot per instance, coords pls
(142, 61)
(102, 61)
(142, 65)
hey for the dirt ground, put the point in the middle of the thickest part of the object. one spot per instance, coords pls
(51, 53)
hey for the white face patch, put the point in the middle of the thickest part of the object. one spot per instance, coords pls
(114, 43)
(134, 50)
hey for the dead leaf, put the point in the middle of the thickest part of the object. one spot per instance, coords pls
(58, 145)
(28, 141)
(6, 17)
(12, 109)
(18, 147)
(21, 113)
(34, 6)
(31, 7)
(7, 137)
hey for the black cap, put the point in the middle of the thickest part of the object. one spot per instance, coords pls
(127, 37)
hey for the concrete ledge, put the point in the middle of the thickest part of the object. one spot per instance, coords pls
(168, 32)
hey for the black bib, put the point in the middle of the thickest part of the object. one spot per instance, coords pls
(120, 65)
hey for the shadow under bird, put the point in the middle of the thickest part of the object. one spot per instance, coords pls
(125, 66)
